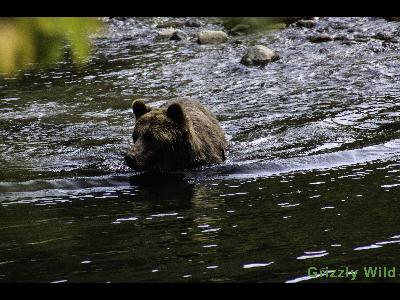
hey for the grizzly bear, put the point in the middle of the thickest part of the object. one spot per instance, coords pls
(181, 134)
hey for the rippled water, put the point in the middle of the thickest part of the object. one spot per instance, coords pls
(311, 179)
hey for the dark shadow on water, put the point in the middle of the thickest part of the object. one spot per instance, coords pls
(160, 188)
(150, 180)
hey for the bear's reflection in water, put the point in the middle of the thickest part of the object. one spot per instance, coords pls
(164, 189)
(166, 193)
(173, 190)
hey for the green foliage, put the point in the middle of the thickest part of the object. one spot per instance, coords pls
(26, 42)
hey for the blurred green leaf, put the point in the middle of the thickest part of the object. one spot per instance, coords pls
(28, 42)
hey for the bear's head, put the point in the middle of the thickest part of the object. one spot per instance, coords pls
(160, 137)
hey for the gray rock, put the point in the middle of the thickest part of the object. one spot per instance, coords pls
(259, 55)
(171, 23)
(192, 23)
(211, 37)
(383, 36)
(320, 38)
(165, 34)
(305, 23)
(179, 35)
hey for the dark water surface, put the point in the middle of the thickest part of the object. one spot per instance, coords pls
(311, 179)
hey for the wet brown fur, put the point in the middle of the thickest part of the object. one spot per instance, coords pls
(166, 139)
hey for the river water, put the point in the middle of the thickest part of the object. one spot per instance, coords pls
(311, 177)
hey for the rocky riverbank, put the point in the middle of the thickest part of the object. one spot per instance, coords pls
(245, 32)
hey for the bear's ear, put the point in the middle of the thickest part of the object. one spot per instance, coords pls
(175, 112)
(140, 108)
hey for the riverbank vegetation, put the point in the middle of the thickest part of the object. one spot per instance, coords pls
(26, 43)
